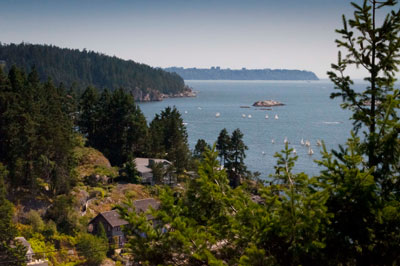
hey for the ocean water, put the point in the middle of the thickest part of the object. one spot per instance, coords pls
(308, 113)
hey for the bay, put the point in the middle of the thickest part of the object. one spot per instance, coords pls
(308, 113)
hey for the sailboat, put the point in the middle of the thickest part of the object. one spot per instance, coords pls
(319, 143)
(249, 116)
(272, 141)
(310, 151)
(243, 115)
(302, 141)
(266, 116)
(263, 153)
(294, 151)
(285, 141)
(308, 144)
(217, 115)
(276, 116)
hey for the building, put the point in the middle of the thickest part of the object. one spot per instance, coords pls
(112, 222)
(143, 166)
(30, 254)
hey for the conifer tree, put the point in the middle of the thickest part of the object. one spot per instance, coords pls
(11, 252)
(223, 144)
(361, 178)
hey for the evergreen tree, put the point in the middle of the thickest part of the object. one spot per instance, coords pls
(377, 50)
(88, 118)
(235, 157)
(36, 133)
(169, 138)
(200, 148)
(362, 177)
(223, 144)
(113, 124)
(11, 252)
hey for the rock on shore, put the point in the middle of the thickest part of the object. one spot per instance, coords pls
(267, 103)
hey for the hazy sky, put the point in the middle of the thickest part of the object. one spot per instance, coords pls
(291, 34)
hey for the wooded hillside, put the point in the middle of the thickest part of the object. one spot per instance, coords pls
(77, 68)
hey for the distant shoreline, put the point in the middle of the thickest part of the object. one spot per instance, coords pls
(217, 73)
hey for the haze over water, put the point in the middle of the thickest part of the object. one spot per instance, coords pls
(308, 113)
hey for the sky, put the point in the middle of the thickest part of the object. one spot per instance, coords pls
(255, 34)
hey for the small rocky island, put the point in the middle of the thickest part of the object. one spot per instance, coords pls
(267, 103)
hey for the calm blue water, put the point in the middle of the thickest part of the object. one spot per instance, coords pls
(309, 113)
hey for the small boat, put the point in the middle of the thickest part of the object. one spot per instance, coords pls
(294, 151)
(199, 108)
(310, 151)
(266, 117)
(272, 141)
(263, 153)
(319, 143)
(285, 141)
(249, 116)
(243, 115)
(308, 144)
(276, 117)
(217, 115)
(184, 123)
(186, 112)
(244, 106)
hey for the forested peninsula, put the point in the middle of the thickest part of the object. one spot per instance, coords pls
(216, 73)
(79, 69)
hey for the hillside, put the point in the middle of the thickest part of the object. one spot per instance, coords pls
(216, 73)
(84, 68)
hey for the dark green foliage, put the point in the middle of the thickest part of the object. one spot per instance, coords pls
(231, 150)
(377, 50)
(36, 133)
(83, 68)
(129, 172)
(158, 172)
(362, 177)
(11, 252)
(92, 248)
(113, 124)
(63, 213)
(168, 138)
(200, 147)
(213, 224)
(101, 232)
(223, 144)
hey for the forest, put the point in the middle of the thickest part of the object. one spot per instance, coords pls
(217, 73)
(54, 143)
(79, 69)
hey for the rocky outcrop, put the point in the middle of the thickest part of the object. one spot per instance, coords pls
(150, 95)
(147, 95)
(267, 103)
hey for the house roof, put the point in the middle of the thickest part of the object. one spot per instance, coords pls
(142, 164)
(144, 204)
(25, 243)
(114, 219)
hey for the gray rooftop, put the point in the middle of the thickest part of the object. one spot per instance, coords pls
(114, 219)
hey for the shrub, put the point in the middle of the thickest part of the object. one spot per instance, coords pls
(93, 248)
(35, 220)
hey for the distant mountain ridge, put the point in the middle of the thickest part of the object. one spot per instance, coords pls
(217, 73)
(73, 67)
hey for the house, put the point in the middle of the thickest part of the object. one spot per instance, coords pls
(30, 254)
(112, 222)
(143, 166)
